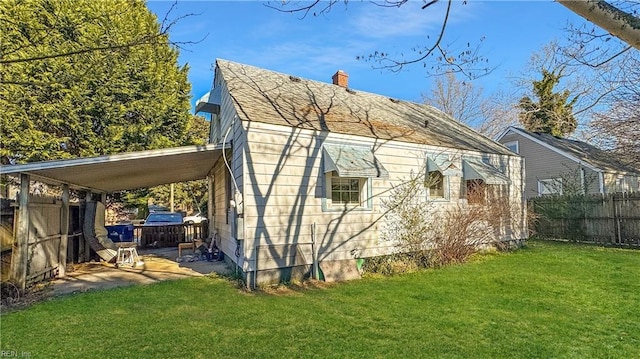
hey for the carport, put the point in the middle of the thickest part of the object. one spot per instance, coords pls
(101, 175)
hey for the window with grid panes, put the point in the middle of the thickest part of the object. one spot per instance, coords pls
(345, 191)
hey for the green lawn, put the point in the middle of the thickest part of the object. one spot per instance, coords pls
(549, 300)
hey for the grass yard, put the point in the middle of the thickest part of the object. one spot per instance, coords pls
(549, 300)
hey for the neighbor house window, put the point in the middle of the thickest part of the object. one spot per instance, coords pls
(621, 185)
(346, 191)
(548, 187)
(513, 146)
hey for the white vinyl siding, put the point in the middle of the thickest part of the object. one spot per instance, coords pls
(286, 193)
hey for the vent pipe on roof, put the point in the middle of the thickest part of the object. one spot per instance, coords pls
(341, 79)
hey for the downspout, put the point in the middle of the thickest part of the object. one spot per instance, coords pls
(525, 203)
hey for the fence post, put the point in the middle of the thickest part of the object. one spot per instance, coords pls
(64, 231)
(19, 254)
(617, 201)
(612, 209)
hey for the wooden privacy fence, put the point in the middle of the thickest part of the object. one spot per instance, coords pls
(603, 219)
(43, 242)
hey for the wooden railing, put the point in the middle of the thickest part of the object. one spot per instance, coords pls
(170, 235)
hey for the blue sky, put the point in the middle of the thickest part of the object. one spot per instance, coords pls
(315, 47)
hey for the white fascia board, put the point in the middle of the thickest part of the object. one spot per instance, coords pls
(504, 133)
(44, 165)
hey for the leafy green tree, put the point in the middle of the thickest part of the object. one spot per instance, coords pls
(553, 111)
(187, 196)
(85, 78)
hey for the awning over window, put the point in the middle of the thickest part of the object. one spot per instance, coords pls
(352, 161)
(479, 170)
(442, 164)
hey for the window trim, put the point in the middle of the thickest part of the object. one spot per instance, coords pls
(511, 143)
(436, 159)
(550, 180)
(445, 190)
(365, 187)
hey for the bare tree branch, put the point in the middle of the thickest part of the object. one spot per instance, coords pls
(621, 24)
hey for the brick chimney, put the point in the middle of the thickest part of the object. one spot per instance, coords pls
(341, 79)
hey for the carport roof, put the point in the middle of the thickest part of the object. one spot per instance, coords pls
(125, 171)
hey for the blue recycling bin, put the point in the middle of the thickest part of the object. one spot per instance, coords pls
(120, 232)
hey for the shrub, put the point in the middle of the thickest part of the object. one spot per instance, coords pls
(428, 234)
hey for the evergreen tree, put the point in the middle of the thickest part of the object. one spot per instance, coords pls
(86, 78)
(553, 112)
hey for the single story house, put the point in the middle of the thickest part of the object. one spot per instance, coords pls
(557, 165)
(309, 164)
(298, 174)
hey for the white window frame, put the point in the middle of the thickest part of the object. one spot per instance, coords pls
(546, 190)
(620, 184)
(439, 156)
(364, 189)
(515, 144)
(445, 189)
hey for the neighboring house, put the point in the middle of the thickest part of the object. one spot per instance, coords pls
(559, 166)
(309, 163)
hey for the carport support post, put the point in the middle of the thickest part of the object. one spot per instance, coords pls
(87, 249)
(210, 209)
(64, 229)
(81, 241)
(19, 256)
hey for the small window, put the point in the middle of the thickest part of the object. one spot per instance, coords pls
(438, 170)
(476, 191)
(436, 185)
(513, 146)
(549, 187)
(346, 191)
(621, 184)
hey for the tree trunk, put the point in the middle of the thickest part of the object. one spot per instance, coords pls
(618, 23)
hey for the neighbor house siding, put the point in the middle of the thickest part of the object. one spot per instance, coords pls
(611, 184)
(543, 163)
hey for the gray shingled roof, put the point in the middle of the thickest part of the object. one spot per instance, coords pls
(590, 154)
(266, 96)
